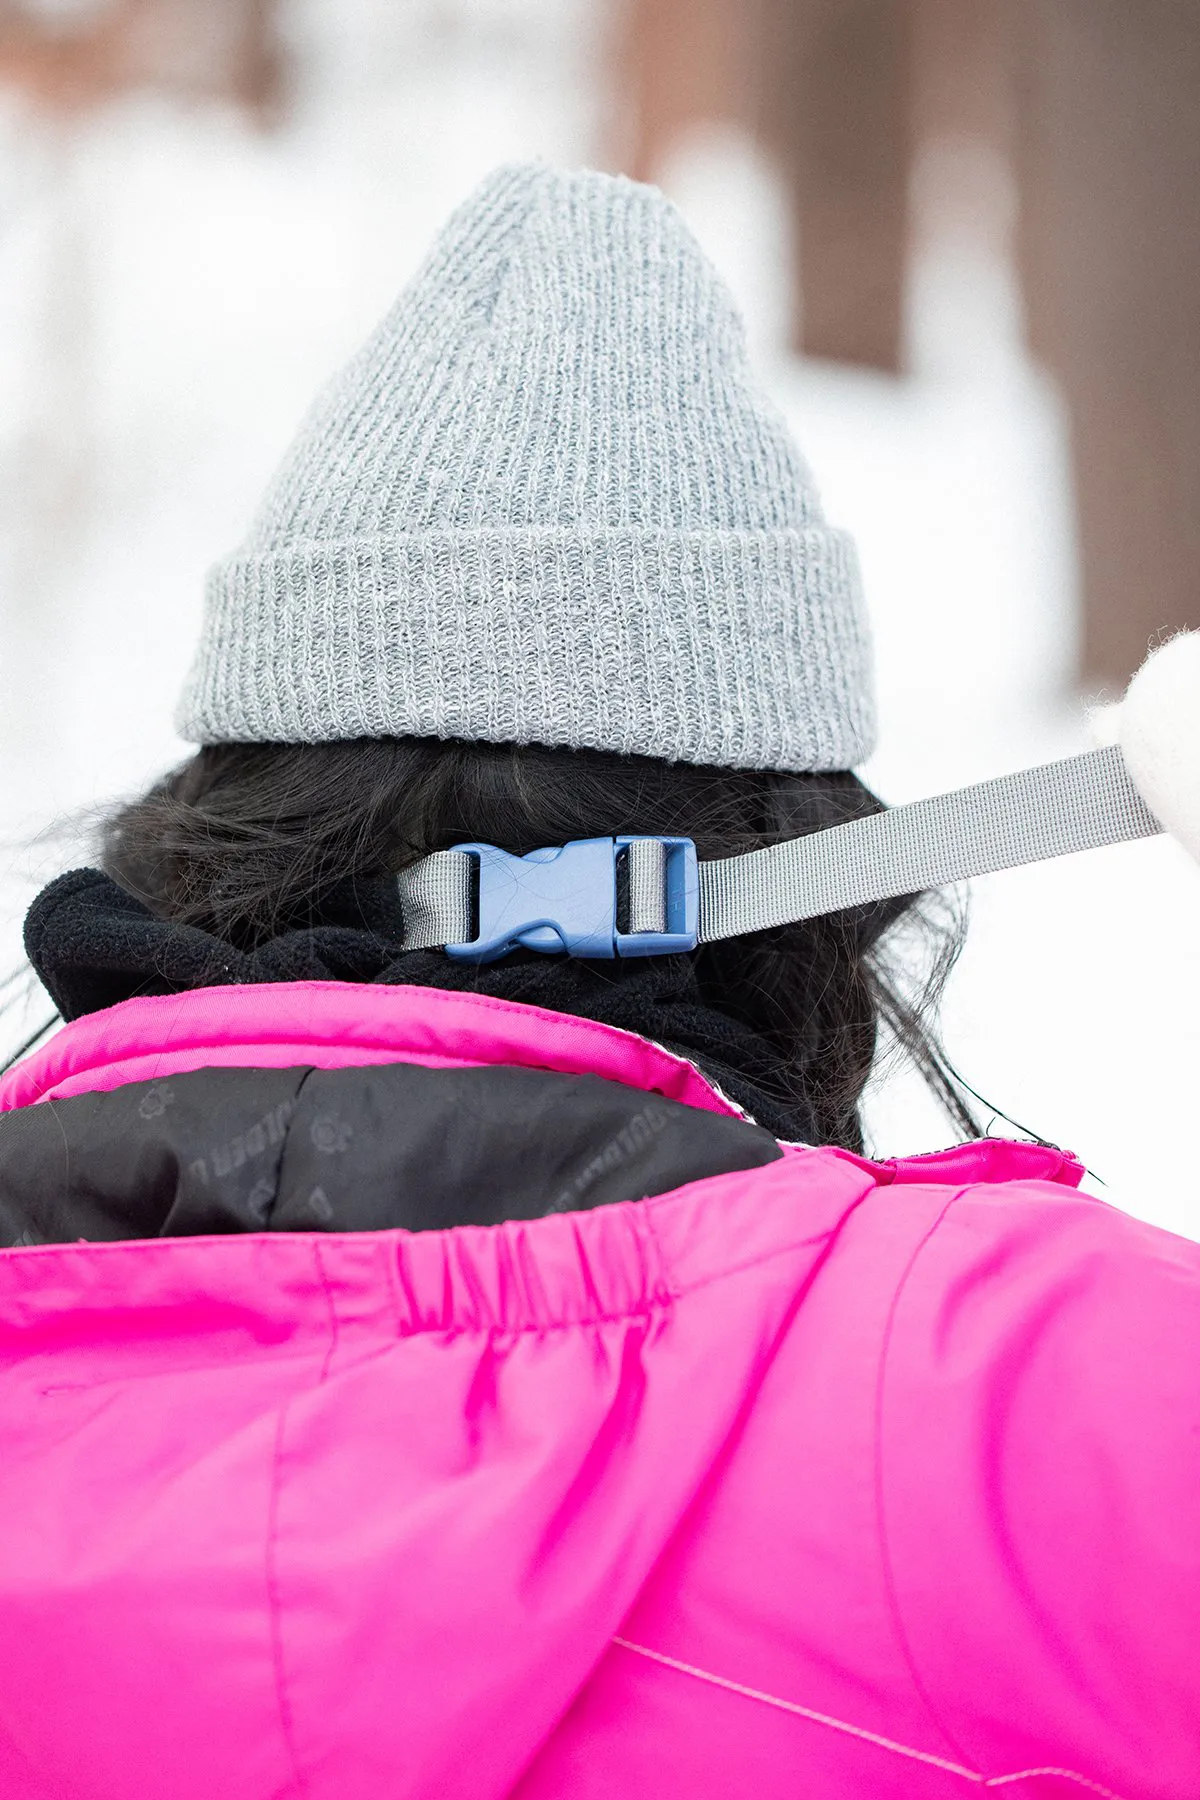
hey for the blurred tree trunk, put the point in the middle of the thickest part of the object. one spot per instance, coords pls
(826, 84)
(680, 63)
(1109, 149)
(962, 74)
(835, 107)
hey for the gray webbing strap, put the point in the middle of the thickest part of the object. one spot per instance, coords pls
(647, 868)
(1077, 804)
(435, 898)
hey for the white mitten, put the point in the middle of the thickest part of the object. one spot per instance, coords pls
(1158, 729)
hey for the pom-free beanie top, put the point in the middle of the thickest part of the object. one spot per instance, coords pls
(546, 503)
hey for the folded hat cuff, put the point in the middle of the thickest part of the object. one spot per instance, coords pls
(741, 649)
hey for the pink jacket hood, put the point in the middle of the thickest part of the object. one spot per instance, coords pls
(825, 1478)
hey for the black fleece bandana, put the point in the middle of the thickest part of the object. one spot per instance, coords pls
(93, 945)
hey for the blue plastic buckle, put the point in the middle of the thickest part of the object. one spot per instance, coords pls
(565, 900)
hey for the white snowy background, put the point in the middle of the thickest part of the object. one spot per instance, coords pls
(174, 284)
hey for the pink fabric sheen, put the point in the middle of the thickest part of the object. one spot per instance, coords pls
(829, 1478)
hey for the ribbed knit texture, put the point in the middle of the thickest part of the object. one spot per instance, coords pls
(546, 503)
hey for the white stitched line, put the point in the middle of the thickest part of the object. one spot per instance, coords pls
(804, 1712)
(1065, 1774)
(857, 1731)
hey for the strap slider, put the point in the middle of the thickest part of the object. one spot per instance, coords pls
(564, 899)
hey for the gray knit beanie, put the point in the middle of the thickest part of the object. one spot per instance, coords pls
(546, 504)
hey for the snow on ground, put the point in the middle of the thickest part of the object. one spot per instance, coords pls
(174, 286)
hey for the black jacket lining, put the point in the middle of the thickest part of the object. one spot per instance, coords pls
(360, 1149)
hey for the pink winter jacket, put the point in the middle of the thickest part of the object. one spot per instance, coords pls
(824, 1479)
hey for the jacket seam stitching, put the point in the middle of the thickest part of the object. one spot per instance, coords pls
(327, 1290)
(889, 1575)
(642, 1309)
(282, 1698)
